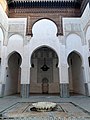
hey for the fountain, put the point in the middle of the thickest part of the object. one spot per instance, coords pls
(43, 106)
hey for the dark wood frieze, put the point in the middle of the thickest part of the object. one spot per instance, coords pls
(45, 4)
(69, 12)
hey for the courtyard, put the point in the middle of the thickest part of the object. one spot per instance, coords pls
(75, 107)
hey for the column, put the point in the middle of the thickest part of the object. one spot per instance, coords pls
(3, 71)
(25, 82)
(85, 69)
(25, 73)
(64, 84)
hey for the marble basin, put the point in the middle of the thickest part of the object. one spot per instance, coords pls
(44, 106)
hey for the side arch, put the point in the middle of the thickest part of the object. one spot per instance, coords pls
(76, 52)
(76, 74)
(13, 52)
(13, 74)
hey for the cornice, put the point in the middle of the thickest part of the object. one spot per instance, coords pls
(44, 4)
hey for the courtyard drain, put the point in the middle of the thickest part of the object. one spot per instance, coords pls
(62, 111)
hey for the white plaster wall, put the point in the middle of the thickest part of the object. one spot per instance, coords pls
(73, 43)
(15, 43)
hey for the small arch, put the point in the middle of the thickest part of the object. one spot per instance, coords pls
(14, 34)
(73, 33)
(40, 23)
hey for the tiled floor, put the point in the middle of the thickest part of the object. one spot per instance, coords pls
(73, 108)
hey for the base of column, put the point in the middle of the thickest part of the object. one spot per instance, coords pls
(2, 89)
(86, 89)
(64, 90)
(25, 88)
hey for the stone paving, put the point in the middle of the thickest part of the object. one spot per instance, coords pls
(75, 107)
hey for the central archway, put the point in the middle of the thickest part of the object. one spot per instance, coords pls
(44, 72)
